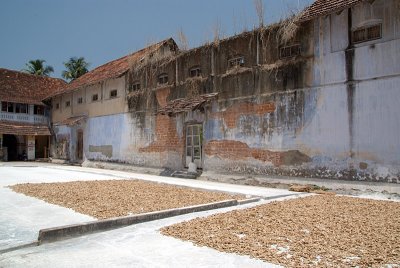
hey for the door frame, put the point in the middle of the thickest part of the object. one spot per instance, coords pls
(79, 149)
(201, 139)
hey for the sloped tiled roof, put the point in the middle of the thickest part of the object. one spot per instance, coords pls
(19, 128)
(326, 7)
(112, 69)
(27, 88)
(71, 121)
(185, 105)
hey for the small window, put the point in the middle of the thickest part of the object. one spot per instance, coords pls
(4, 106)
(67, 104)
(80, 100)
(113, 93)
(134, 87)
(163, 79)
(21, 108)
(236, 62)
(95, 97)
(367, 33)
(195, 72)
(7, 107)
(57, 106)
(38, 109)
(289, 51)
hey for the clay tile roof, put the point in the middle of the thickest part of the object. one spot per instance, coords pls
(27, 88)
(72, 120)
(112, 69)
(19, 128)
(326, 7)
(184, 105)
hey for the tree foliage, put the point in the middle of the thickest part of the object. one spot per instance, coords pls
(75, 68)
(37, 67)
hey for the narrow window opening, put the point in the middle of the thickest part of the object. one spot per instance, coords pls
(113, 93)
(10, 107)
(39, 110)
(67, 104)
(236, 62)
(21, 108)
(80, 100)
(4, 106)
(163, 79)
(289, 51)
(195, 72)
(134, 87)
(367, 33)
(95, 97)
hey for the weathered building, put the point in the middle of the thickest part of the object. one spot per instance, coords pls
(312, 96)
(90, 115)
(24, 118)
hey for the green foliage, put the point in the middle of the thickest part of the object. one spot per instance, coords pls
(76, 67)
(37, 67)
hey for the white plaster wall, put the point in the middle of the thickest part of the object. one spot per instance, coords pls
(326, 130)
(377, 121)
(101, 131)
(377, 59)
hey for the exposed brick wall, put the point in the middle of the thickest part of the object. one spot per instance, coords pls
(236, 150)
(162, 95)
(167, 138)
(232, 114)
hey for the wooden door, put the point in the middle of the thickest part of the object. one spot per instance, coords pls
(79, 145)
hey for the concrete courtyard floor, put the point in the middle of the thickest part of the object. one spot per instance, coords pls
(140, 245)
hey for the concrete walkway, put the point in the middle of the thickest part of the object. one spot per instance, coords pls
(140, 245)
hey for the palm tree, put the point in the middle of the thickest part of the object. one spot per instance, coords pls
(37, 67)
(76, 67)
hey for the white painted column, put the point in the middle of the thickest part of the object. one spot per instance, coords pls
(30, 145)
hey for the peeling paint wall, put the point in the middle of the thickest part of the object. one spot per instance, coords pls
(326, 113)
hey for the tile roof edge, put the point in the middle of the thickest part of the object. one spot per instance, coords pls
(308, 17)
(154, 46)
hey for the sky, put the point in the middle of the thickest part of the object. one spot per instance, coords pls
(104, 30)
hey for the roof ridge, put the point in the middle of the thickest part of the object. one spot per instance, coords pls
(32, 75)
(130, 54)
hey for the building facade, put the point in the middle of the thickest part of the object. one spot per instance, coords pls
(24, 118)
(312, 96)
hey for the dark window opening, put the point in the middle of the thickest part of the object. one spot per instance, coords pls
(67, 103)
(236, 62)
(7, 107)
(367, 33)
(80, 100)
(289, 51)
(134, 87)
(57, 106)
(37, 109)
(113, 93)
(163, 79)
(95, 97)
(195, 72)
(21, 108)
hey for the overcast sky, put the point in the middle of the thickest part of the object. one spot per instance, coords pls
(103, 30)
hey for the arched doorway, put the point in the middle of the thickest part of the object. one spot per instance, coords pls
(10, 141)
